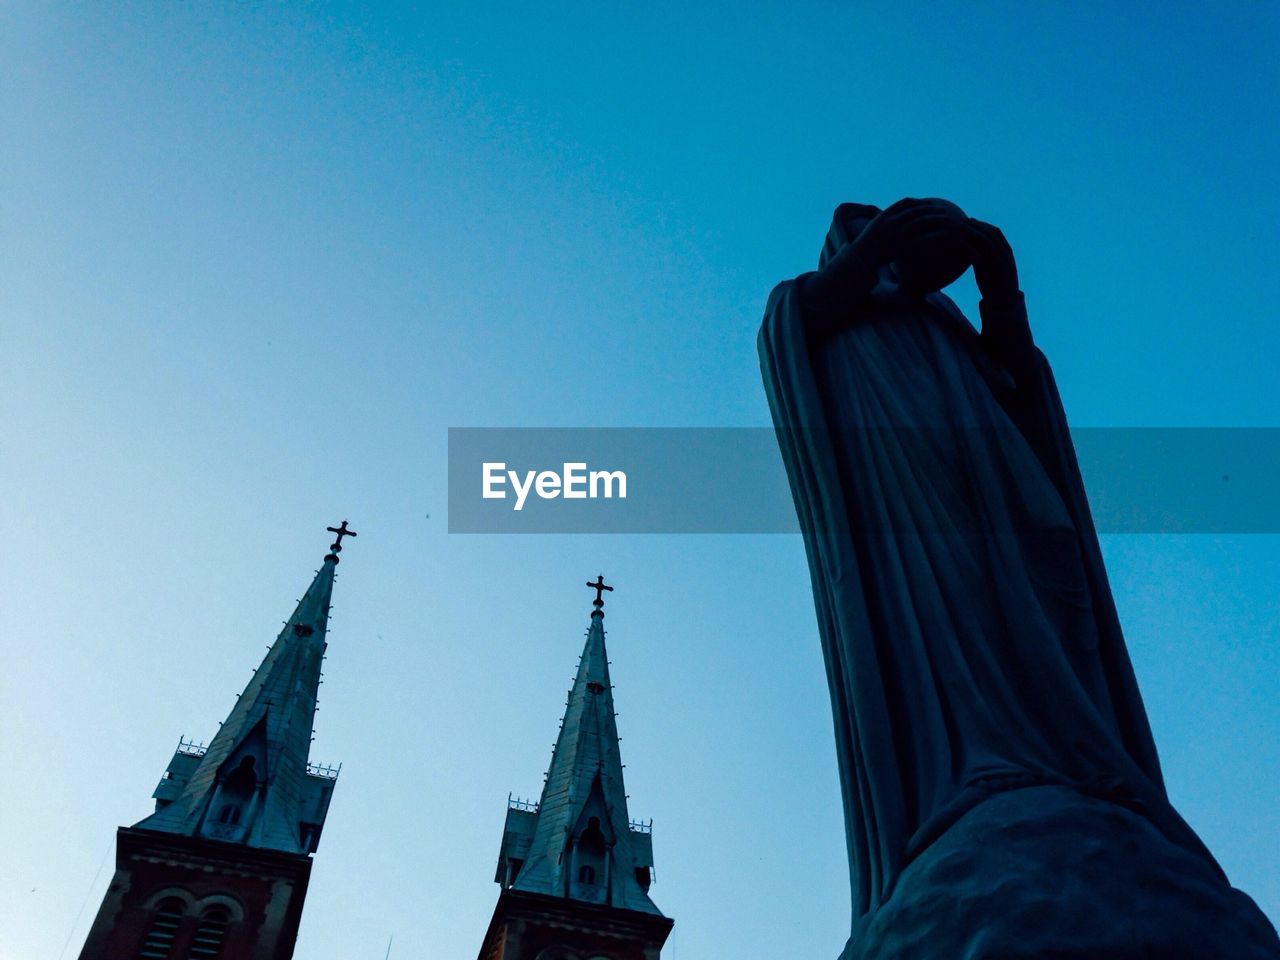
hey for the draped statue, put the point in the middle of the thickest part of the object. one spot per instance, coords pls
(993, 748)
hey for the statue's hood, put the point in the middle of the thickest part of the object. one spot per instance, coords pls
(848, 222)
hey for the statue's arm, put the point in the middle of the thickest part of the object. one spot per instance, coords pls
(1034, 405)
(1005, 330)
(1007, 333)
(839, 293)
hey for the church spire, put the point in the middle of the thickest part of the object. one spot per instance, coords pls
(578, 842)
(253, 784)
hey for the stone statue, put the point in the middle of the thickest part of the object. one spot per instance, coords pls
(1002, 793)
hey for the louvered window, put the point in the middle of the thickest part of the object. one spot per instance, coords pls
(158, 943)
(210, 933)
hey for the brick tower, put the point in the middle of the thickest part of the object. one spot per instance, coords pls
(220, 869)
(574, 869)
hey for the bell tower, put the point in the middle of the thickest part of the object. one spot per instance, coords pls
(220, 869)
(575, 870)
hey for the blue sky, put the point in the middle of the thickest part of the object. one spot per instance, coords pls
(257, 260)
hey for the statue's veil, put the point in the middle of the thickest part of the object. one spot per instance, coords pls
(848, 222)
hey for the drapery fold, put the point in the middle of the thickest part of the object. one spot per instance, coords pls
(970, 638)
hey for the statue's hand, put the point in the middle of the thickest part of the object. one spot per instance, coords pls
(895, 227)
(994, 268)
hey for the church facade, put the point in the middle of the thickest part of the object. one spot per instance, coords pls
(219, 871)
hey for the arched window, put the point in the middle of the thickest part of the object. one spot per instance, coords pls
(590, 860)
(234, 797)
(244, 777)
(558, 952)
(160, 935)
(210, 933)
(230, 813)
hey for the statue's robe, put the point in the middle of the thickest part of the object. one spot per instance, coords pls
(970, 637)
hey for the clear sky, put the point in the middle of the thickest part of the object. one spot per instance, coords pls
(254, 262)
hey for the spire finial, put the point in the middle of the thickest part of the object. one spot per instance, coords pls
(599, 587)
(335, 548)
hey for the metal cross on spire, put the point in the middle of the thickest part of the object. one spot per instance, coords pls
(599, 587)
(335, 548)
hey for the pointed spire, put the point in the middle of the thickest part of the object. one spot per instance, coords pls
(579, 842)
(253, 785)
